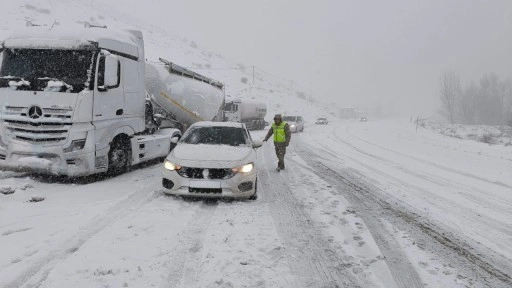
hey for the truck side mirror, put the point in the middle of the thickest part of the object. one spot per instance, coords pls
(109, 72)
(1, 50)
(112, 66)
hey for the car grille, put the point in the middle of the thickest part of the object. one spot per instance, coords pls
(204, 173)
(205, 190)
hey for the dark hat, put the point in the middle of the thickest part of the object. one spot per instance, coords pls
(278, 116)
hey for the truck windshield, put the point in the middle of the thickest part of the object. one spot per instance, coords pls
(40, 66)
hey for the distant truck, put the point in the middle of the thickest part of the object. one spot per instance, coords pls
(250, 112)
(81, 102)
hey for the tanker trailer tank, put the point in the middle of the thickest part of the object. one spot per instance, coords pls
(182, 97)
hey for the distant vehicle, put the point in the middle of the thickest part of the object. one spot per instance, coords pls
(321, 121)
(250, 112)
(191, 169)
(296, 123)
(363, 119)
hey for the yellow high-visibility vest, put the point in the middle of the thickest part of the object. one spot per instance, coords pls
(279, 134)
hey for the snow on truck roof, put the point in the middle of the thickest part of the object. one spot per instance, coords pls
(82, 38)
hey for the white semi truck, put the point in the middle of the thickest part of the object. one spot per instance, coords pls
(84, 101)
(250, 112)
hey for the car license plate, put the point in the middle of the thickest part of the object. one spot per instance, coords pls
(204, 184)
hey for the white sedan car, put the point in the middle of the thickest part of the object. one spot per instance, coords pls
(213, 159)
(296, 123)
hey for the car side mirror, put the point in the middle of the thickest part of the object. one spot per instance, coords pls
(257, 144)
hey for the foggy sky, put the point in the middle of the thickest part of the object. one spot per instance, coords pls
(354, 52)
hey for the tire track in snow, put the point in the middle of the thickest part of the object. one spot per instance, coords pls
(494, 262)
(501, 206)
(498, 203)
(440, 241)
(403, 271)
(36, 274)
(442, 167)
(312, 257)
(186, 258)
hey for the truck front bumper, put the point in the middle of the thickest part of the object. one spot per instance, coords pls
(46, 160)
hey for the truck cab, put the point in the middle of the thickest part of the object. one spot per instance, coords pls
(72, 102)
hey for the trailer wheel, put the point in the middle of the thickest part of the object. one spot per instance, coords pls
(119, 157)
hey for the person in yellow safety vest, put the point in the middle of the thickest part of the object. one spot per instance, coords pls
(282, 136)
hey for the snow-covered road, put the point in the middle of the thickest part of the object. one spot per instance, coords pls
(374, 204)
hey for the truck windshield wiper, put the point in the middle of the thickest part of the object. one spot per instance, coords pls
(55, 84)
(16, 81)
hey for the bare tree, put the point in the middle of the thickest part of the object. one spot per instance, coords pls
(468, 104)
(449, 88)
(507, 103)
(491, 100)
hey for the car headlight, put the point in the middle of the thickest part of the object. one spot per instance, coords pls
(171, 166)
(244, 168)
(293, 125)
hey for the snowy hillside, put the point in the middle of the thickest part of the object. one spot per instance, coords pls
(492, 135)
(168, 43)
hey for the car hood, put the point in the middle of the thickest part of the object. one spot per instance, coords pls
(208, 156)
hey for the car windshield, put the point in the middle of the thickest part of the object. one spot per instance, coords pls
(290, 118)
(36, 67)
(322, 118)
(232, 136)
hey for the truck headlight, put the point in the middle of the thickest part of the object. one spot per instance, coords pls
(244, 168)
(171, 166)
(75, 145)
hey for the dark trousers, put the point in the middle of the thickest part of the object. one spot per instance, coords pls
(280, 151)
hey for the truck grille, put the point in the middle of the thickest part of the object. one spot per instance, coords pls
(37, 132)
(50, 126)
(200, 173)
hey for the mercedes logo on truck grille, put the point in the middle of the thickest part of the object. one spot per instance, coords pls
(35, 112)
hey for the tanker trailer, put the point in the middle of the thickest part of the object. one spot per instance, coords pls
(180, 97)
(250, 112)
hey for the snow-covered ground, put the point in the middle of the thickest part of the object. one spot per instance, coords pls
(384, 203)
(305, 230)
